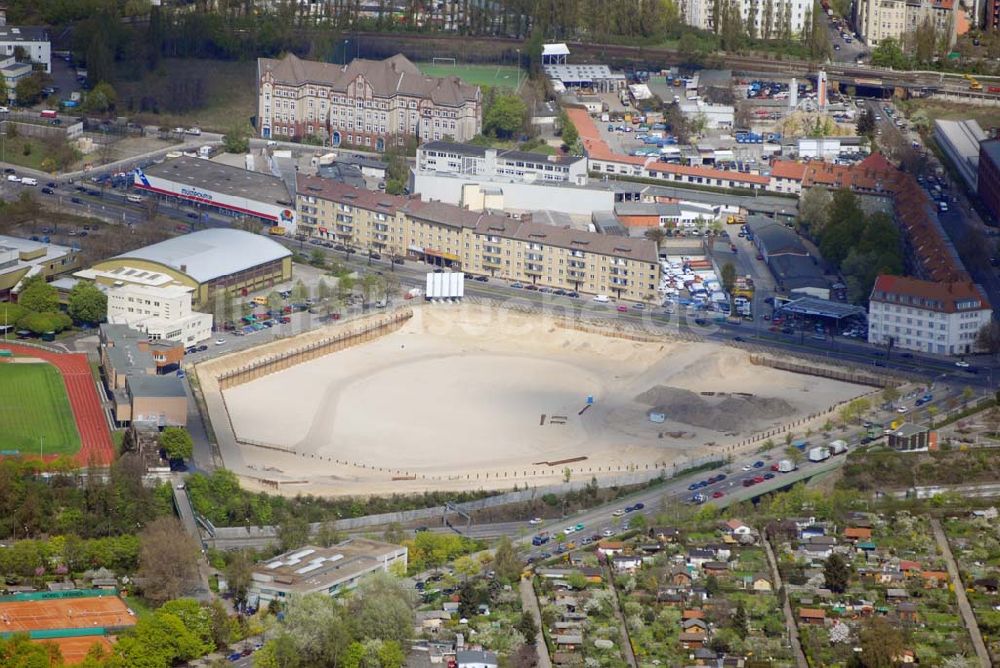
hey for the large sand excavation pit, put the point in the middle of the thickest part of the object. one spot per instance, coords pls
(460, 390)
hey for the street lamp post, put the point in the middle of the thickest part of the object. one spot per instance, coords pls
(518, 70)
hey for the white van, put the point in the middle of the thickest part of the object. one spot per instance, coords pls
(601, 299)
(28, 181)
(135, 199)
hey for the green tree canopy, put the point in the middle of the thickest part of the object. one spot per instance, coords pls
(87, 303)
(889, 53)
(569, 132)
(101, 99)
(237, 139)
(836, 573)
(504, 116)
(43, 323)
(29, 89)
(177, 443)
(37, 295)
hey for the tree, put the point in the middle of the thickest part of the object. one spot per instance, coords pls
(890, 394)
(293, 531)
(466, 566)
(45, 323)
(86, 303)
(237, 139)
(888, 53)
(569, 133)
(101, 99)
(814, 208)
(382, 608)
(656, 235)
(988, 338)
(505, 116)
(739, 621)
(836, 573)
(4, 94)
(38, 296)
(506, 561)
(924, 41)
(238, 572)
(275, 302)
(729, 281)
(300, 292)
(29, 90)
(177, 443)
(881, 643)
(168, 560)
(527, 627)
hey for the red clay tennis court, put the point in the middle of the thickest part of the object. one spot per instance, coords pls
(74, 650)
(64, 613)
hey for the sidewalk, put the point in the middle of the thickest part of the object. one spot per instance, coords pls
(968, 616)
(529, 602)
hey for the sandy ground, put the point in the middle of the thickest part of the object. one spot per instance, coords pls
(464, 388)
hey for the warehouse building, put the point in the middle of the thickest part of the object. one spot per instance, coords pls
(206, 261)
(220, 188)
(960, 141)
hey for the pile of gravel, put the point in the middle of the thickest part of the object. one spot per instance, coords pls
(720, 412)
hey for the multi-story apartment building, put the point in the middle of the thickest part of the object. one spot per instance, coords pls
(471, 160)
(877, 20)
(363, 104)
(699, 14)
(988, 181)
(33, 40)
(991, 18)
(478, 243)
(926, 316)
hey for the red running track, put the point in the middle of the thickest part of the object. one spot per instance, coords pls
(95, 438)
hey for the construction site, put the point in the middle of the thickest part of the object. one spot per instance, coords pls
(468, 397)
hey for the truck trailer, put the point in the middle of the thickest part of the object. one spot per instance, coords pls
(838, 447)
(786, 466)
(819, 454)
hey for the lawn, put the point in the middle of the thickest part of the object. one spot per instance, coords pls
(12, 150)
(228, 93)
(34, 411)
(479, 75)
(952, 111)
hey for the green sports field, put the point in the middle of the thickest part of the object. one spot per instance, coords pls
(504, 76)
(34, 409)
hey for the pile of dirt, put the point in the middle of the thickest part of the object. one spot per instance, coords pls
(720, 411)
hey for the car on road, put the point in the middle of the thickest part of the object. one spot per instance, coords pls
(573, 294)
(48, 191)
(569, 530)
(578, 527)
(482, 279)
(768, 475)
(76, 200)
(622, 308)
(517, 286)
(902, 409)
(202, 348)
(693, 486)
(962, 364)
(535, 520)
(718, 495)
(607, 533)
(13, 178)
(758, 464)
(619, 512)
(759, 479)
(748, 467)
(234, 657)
(739, 339)
(193, 131)
(220, 342)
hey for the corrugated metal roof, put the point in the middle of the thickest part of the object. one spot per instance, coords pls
(208, 254)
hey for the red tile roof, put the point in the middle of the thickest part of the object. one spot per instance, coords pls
(929, 295)
(597, 149)
(788, 169)
(812, 613)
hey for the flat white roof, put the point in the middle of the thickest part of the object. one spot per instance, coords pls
(555, 50)
(581, 73)
(209, 254)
